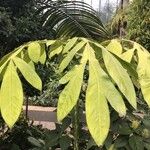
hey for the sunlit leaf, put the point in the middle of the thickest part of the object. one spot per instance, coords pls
(50, 42)
(70, 56)
(69, 44)
(29, 74)
(96, 104)
(127, 56)
(56, 51)
(120, 76)
(70, 94)
(11, 96)
(115, 47)
(34, 51)
(143, 70)
(42, 58)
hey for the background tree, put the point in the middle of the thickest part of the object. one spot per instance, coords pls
(139, 22)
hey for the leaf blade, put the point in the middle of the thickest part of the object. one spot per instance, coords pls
(120, 76)
(11, 95)
(29, 74)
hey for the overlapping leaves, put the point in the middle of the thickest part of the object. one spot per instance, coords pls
(110, 78)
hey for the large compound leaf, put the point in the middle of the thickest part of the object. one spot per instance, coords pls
(34, 51)
(69, 96)
(97, 111)
(70, 56)
(143, 70)
(120, 76)
(11, 95)
(29, 74)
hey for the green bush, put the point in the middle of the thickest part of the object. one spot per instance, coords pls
(138, 18)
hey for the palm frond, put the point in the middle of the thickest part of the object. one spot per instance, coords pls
(73, 18)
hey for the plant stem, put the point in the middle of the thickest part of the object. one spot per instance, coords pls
(75, 127)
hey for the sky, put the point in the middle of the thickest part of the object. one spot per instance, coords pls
(96, 2)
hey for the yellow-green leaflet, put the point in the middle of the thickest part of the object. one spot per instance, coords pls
(42, 58)
(97, 111)
(68, 75)
(56, 51)
(112, 94)
(11, 95)
(28, 60)
(29, 74)
(50, 42)
(70, 56)
(70, 44)
(120, 76)
(115, 47)
(127, 56)
(69, 96)
(143, 70)
(34, 51)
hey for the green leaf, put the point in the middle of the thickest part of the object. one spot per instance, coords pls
(136, 143)
(97, 111)
(70, 56)
(34, 142)
(115, 47)
(29, 74)
(143, 70)
(11, 95)
(120, 76)
(121, 142)
(34, 51)
(52, 138)
(65, 142)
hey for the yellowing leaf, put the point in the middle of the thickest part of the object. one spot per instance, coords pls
(42, 58)
(97, 111)
(56, 51)
(70, 56)
(34, 51)
(70, 44)
(115, 47)
(28, 60)
(50, 42)
(143, 70)
(127, 56)
(29, 74)
(69, 96)
(120, 76)
(68, 76)
(11, 96)
(112, 94)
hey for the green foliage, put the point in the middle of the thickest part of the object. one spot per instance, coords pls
(138, 15)
(74, 18)
(19, 24)
(107, 78)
